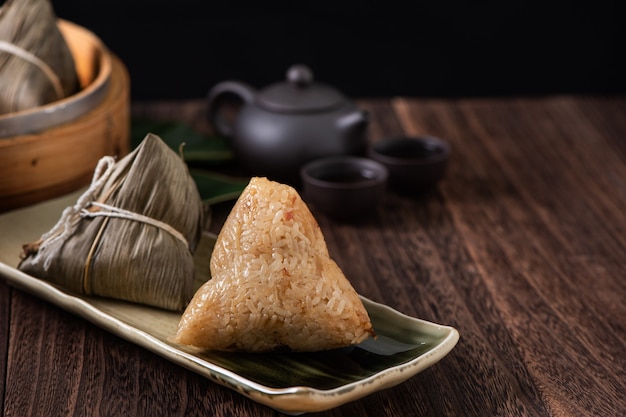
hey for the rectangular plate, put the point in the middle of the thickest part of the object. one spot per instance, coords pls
(293, 383)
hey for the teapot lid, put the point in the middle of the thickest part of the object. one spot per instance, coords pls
(299, 94)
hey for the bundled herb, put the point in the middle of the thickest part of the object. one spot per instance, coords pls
(36, 65)
(131, 235)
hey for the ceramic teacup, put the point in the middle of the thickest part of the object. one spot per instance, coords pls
(344, 187)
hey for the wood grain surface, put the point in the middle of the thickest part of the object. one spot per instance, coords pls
(522, 248)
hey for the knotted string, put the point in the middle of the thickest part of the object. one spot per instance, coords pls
(70, 217)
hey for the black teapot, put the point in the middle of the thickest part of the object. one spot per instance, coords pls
(280, 128)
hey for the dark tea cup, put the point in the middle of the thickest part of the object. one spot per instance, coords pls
(344, 187)
(414, 163)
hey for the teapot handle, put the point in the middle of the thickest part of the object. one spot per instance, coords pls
(217, 98)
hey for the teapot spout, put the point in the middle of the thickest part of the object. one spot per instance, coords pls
(352, 127)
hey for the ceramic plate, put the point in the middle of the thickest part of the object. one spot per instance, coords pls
(293, 383)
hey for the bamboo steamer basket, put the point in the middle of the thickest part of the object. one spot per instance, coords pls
(53, 150)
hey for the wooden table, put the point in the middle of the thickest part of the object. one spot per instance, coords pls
(522, 248)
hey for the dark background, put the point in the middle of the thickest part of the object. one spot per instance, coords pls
(181, 48)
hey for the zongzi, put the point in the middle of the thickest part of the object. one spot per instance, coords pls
(273, 284)
(36, 65)
(131, 235)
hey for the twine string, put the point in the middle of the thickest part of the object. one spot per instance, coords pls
(70, 218)
(119, 213)
(72, 215)
(22, 53)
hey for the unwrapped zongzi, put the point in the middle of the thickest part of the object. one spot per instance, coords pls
(273, 284)
(131, 235)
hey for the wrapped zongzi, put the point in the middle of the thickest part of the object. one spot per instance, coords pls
(36, 65)
(131, 235)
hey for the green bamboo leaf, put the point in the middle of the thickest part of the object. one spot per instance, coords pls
(199, 150)
(198, 147)
(216, 188)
